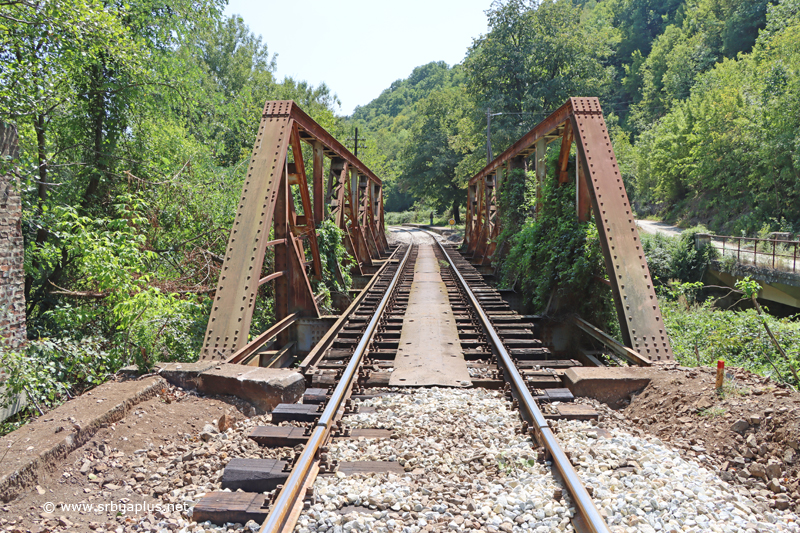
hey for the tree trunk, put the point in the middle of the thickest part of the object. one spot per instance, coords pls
(41, 193)
(41, 151)
(97, 116)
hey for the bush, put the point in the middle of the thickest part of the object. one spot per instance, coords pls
(702, 335)
(398, 219)
(557, 253)
(688, 263)
(47, 371)
(659, 249)
(677, 258)
(113, 296)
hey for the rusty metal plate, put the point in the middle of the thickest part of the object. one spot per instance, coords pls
(350, 468)
(429, 351)
(634, 294)
(232, 312)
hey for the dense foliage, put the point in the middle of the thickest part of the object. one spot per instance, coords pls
(702, 334)
(700, 95)
(395, 121)
(730, 149)
(677, 258)
(136, 120)
(553, 259)
(700, 329)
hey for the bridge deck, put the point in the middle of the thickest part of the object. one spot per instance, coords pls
(429, 352)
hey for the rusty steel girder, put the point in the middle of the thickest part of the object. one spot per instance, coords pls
(267, 216)
(599, 190)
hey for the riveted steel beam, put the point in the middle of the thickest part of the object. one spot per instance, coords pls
(267, 217)
(600, 190)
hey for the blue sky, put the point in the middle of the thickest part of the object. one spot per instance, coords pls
(360, 47)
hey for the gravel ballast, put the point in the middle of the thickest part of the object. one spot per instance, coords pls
(466, 469)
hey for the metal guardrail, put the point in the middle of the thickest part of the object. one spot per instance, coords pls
(775, 252)
(583, 502)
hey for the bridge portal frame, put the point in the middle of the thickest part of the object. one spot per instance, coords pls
(600, 191)
(267, 216)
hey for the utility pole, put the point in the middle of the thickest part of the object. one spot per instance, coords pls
(356, 139)
(489, 135)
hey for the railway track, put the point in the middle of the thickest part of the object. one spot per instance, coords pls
(422, 405)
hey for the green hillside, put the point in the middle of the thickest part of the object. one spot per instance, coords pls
(701, 97)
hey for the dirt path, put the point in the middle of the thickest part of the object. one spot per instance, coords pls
(123, 464)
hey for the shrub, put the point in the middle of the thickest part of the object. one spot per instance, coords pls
(555, 252)
(47, 371)
(702, 335)
(677, 258)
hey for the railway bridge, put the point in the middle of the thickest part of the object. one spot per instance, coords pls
(427, 403)
(425, 316)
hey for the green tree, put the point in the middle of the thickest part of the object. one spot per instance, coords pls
(442, 135)
(730, 147)
(386, 124)
(710, 31)
(534, 57)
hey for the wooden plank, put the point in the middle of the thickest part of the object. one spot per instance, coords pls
(543, 381)
(339, 353)
(376, 379)
(237, 507)
(253, 475)
(559, 395)
(278, 436)
(491, 384)
(549, 363)
(473, 355)
(290, 436)
(317, 396)
(529, 353)
(573, 411)
(516, 333)
(297, 412)
(521, 343)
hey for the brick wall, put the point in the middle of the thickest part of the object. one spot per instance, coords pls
(12, 277)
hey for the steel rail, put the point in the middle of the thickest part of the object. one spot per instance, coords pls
(291, 491)
(315, 355)
(593, 521)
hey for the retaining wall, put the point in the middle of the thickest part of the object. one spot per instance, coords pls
(12, 276)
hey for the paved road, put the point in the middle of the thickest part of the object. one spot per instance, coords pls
(653, 227)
